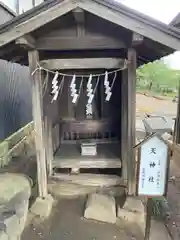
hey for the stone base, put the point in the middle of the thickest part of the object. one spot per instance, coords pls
(101, 208)
(133, 212)
(42, 207)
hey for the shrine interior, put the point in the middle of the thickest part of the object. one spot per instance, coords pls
(73, 126)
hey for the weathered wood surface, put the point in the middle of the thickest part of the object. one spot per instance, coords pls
(86, 63)
(69, 156)
(37, 21)
(129, 21)
(55, 137)
(26, 41)
(128, 126)
(176, 154)
(133, 24)
(37, 100)
(177, 121)
(124, 115)
(79, 15)
(90, 179)
(78, 43)
(48, 144)
(137, 39)
(60, 188)
(132, 58)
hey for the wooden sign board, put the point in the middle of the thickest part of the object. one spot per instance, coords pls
(153, 164)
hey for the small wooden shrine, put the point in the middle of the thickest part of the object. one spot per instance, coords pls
(82, 57)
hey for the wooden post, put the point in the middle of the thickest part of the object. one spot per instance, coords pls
(177, 121)
(38, 123)
(48, 144)
(124, 115)
(102, 98)
(149, 211)
(128, 114)
(131, 118)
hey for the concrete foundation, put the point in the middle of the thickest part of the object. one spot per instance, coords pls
(43, 207)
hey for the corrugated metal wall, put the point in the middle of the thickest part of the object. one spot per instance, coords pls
(15, 98)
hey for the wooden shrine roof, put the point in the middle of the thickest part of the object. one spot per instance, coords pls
(7, 9)
(176, 21)
(160, 39)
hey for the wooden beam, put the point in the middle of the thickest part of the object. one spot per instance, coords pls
(122, 18)
(80, 20)
(79, 15)
(37, 21)
(26, 41)
(79, 43)
(137, 39)
(38, 123)
(86, 63)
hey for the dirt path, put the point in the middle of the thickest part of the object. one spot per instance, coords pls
(67, 223)
(152, 105)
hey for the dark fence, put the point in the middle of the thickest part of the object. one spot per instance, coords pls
(15, 98)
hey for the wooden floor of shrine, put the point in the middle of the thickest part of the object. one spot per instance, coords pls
(69, 156)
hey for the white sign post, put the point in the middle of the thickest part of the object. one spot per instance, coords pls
(152, 172)
(153, 167)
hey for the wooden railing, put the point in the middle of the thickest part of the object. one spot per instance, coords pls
(15, 144)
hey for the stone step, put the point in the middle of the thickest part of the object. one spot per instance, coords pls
(90, 179)
(68, 189)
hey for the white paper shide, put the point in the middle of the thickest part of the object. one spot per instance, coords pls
(153, 167)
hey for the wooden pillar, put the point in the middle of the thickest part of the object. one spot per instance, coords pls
(37, 106)
(102, 97)
(124, 115)
(128, 121)
(48, 144)
(177, 121)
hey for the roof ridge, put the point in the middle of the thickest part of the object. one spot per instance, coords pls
(8, 9)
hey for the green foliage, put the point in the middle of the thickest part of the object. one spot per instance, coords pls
(158, 77)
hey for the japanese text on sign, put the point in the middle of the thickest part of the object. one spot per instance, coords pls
(153, 167)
